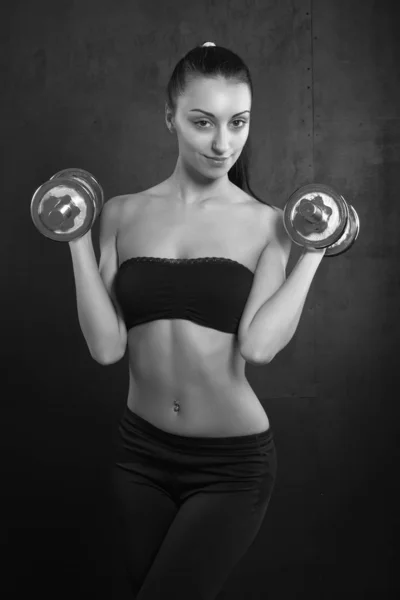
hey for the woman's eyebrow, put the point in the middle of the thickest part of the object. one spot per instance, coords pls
(211, 115)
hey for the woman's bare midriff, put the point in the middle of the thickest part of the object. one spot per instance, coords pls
(213, 395)
(177, 362)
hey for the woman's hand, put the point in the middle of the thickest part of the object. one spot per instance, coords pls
(83, 239)
(320, 251)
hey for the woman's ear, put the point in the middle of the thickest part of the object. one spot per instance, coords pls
(169, 118)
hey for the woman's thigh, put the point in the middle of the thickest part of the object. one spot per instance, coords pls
(209, 535)
(142, 515)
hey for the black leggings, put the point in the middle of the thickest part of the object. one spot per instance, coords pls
(186, 508)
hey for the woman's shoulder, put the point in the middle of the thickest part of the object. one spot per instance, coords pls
(267, 212)
(263, 205)
(129, 201)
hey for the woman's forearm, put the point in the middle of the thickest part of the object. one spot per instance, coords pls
(97, 316)
(275, 323)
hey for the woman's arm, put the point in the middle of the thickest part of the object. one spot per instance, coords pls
(273, 310)
(275, 323)
(102, 328)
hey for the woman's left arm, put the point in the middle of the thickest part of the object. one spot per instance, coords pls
(266, 330)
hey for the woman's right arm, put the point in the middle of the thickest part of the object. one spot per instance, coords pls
(100, 317)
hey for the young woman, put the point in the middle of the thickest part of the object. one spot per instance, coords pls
(192, 281)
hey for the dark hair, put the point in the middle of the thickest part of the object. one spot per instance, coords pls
(215, 61)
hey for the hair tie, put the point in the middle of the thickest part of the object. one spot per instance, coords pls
(208, 44)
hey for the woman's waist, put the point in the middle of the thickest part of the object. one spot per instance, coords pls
(170, 385)
(190, 409)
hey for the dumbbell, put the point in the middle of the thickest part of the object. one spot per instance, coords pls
(317, 216)
(65, 207)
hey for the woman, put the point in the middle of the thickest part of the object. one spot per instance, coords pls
(192, 280)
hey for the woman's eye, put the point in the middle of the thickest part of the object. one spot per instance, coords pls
(235, 121)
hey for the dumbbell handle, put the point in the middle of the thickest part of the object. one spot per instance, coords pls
(59, 214)
(311, 212)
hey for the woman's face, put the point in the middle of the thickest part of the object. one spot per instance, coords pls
(221, 133)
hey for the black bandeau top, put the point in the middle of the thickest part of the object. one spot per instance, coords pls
(210, 291)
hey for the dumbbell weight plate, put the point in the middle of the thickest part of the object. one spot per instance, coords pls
(302, 232)
(349, 235)
(47, 196)
(89, 181)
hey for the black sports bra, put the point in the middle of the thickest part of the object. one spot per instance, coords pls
(210, 291)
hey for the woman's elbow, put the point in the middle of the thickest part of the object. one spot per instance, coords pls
(108, 358)
(258, 361)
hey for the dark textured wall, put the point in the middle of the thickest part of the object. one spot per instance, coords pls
(83, 85)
